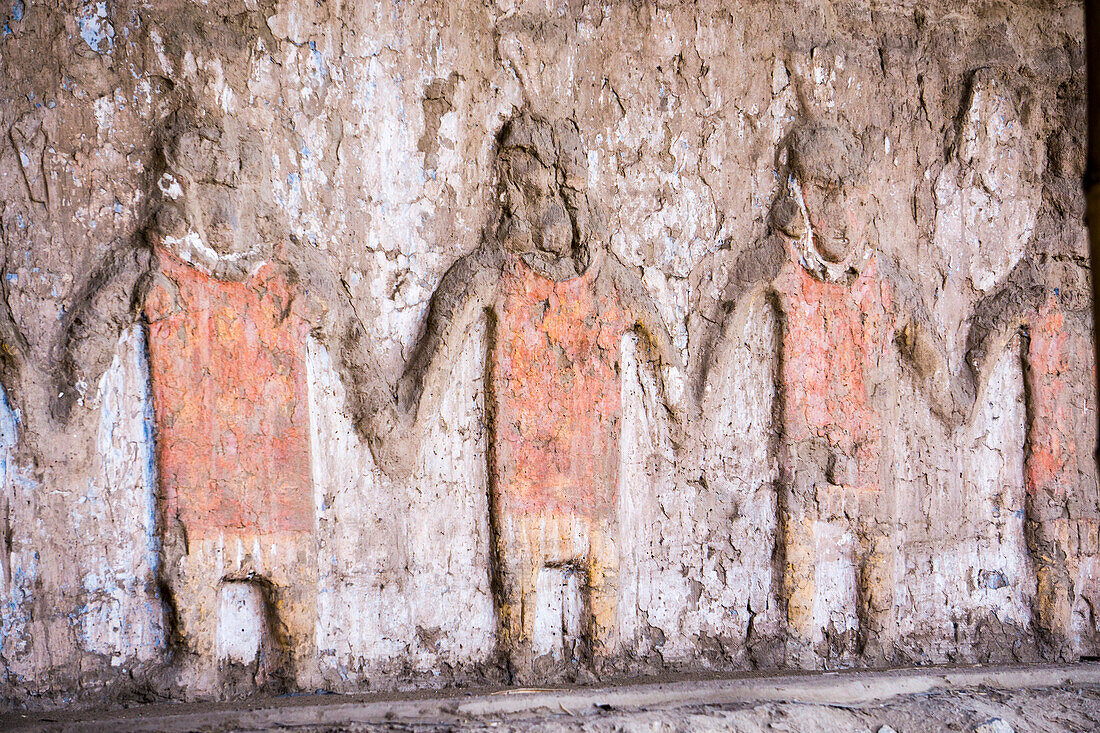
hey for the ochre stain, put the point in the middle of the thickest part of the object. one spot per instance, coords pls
(229, 393)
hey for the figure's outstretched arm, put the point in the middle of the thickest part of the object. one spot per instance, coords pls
(637, 297)
(997, 318)
(730, 282)
(470, 281)
(922, 346)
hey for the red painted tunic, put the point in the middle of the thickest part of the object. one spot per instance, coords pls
(556, 382)
(230, 399)
(833, 338)
(1057, 360)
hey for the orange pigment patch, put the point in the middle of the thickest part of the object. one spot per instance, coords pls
(1055, 413)
(834, 335)
(556, 382)
(228, 379)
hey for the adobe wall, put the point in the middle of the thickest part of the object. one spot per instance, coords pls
(359, 346)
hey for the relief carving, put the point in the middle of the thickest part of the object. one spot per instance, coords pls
(842, 307)
(1043, 298)
(559, 305)
(226, 322)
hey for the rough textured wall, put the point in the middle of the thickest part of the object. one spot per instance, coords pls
(377, 344)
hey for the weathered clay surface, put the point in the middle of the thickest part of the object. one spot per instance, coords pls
(729, 335)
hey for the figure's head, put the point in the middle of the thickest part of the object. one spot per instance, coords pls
(993, 176)
(209, 205)
(544, 208)
(824, 203)
(535, 205)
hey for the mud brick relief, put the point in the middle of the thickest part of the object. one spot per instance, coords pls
(556, 428)
(356, 348)
(839, 314)
(559, 305)
(227, 361)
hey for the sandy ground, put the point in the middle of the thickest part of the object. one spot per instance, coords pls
(985, 700)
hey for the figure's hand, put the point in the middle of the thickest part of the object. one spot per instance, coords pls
(394, 441)
(681, 398)
(925, 355)
(409, 388)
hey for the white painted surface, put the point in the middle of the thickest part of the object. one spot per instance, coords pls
(741, 468)
(655, 533)
(999, 579)
(362, 621)
(447, 526)
(560, 613)
(242, 622)
(836, 590)
(403, 573)
(123, 617)
(19, 563)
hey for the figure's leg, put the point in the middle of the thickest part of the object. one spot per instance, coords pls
(603, 594)
(1085, 574)
(799, 587)
(798, 581)
(797, 527)
(876, 588)
(192, 581)
(518, 560)
(294, 609)
(824, 580)
(252, 611)
(1047, 534)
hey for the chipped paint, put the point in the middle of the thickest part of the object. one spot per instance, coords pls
(556, 434)
(95, 28)
(280, 194)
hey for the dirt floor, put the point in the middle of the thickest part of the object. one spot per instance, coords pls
(984, 700)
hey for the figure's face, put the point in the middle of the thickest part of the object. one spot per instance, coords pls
(540, 220)
(206, 210)
(836, 218)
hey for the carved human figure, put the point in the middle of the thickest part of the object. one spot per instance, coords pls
(1046, 299)
(226, 345)
(841, 308)
(559, 305)
(1042, 294)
